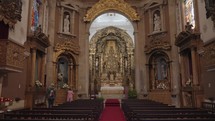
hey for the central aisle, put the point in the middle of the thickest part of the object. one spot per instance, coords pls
(112, 111)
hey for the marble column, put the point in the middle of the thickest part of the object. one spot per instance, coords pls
(33, 65)
(42, 72)
(194, 66)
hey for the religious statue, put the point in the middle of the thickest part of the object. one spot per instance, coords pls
(188, 27)
(189, 82)
(157, 23)
(66, 24)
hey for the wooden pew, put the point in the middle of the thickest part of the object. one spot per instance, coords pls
(138, 110)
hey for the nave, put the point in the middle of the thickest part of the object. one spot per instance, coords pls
(110, 110)
(160, 50)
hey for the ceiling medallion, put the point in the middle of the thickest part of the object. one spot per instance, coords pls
(105, 5)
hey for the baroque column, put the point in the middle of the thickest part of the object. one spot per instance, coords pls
(33, 65)
(42, 69)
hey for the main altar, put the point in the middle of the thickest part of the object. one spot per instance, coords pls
(112, 86)
(111, 62)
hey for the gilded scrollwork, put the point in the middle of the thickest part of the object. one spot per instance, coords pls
(70, 46)
(111, 58)
(105, 5)
(10, 11)
(111, 30)
(157, 41)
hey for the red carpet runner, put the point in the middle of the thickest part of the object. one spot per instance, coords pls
(112, 111)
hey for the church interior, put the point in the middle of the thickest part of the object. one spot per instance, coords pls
(131, 52)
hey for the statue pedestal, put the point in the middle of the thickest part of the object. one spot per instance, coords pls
(61, 95)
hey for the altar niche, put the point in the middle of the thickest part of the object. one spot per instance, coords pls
(62, 72)
(111, 63)
(159, 71)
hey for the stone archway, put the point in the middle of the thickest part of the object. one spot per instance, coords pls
(111, 62)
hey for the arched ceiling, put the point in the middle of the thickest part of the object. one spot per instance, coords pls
(111, 19)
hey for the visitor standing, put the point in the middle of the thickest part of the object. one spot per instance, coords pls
(70, 94)
(51, 94)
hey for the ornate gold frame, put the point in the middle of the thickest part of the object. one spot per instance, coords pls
(105, 5)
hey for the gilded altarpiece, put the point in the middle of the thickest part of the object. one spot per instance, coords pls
(111, 61)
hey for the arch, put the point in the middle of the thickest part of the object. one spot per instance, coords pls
(111, 19)
(114, 31)
(69, 68)
(159, 71)
(106, 5)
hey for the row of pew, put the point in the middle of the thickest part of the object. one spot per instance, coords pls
(78, 110)
(148, 110)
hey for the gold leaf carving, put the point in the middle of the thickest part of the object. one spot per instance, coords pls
(105, 5)
(68, 46)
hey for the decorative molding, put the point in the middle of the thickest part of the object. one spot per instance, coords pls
(154, 3)
(111, 30)
(70, 46)
(41, 37)
(105, 5)
(210, 8)
(209, 54)
(157, 41)
(11, 56)
(187, 39)
(10, 11)
(65, 36)
(182, 37)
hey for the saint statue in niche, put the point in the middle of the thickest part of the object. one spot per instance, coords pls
(157, 23)
(66, 24)
(62, 76)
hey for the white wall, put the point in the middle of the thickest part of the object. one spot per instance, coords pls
(207, 29)
(19, 33)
